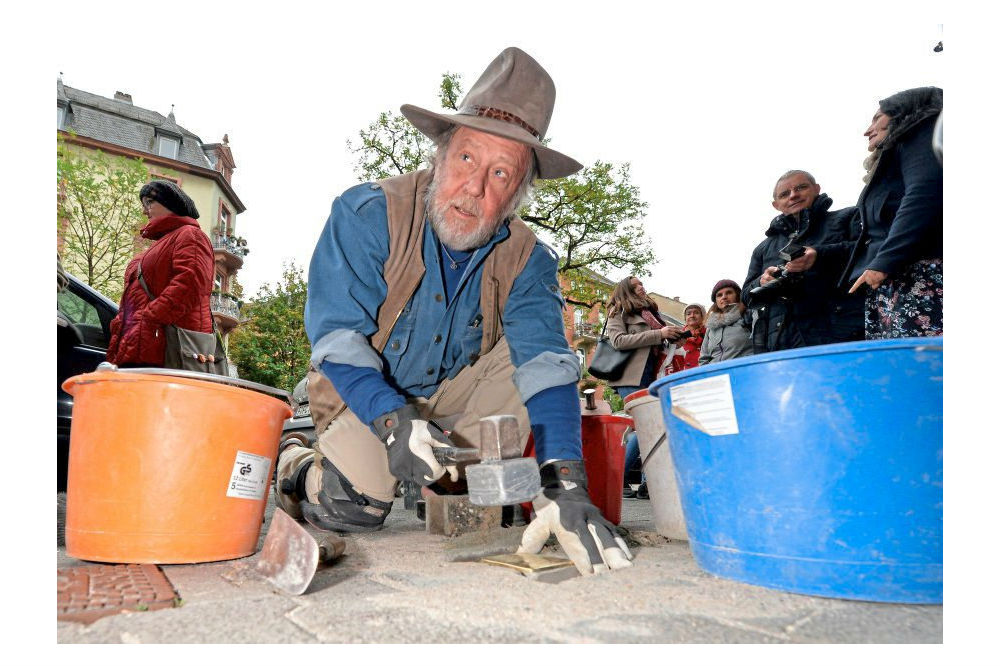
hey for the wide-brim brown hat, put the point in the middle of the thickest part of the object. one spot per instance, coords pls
(513, 99)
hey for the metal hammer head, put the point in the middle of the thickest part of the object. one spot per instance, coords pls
(499, 438)
(503, 477)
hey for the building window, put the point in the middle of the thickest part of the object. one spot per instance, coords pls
(167, 147)
(224, 220)
(164, 177)
(217, 286)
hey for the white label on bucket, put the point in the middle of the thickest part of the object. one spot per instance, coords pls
(707, 405)
(249, 478)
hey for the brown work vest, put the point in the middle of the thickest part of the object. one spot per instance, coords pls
(403, 270)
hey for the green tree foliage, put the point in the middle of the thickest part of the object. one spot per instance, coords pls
(271, 347)
(98, 214)
(390, 145)
(592, 218)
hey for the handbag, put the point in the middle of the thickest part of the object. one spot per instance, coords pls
(184, 345)
(608, 362)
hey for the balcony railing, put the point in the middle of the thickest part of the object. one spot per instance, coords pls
(234, 245)
(586, 330)
(226, 305)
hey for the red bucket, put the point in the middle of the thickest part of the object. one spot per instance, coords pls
(604, 460)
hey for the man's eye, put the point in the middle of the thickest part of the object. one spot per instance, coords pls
(500, 173)
(466, 157)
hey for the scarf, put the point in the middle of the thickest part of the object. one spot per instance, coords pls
(654, 322)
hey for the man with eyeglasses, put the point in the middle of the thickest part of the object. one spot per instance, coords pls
(790, 289)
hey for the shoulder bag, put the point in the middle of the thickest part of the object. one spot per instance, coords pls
(608, 362)
(184, 345)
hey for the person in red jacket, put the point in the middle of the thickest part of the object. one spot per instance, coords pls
(178, 270)
(686, 355)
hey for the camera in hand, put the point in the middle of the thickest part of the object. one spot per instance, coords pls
(684, 334)
(785, 277)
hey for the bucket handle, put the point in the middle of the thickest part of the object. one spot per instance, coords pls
(652, 451)
(210, 377)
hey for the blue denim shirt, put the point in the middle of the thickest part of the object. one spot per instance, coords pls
(433, 338)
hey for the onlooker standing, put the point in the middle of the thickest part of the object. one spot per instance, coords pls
(635, 323)
(178, 270)
(726, 334)
(686, 355)
(805, 307)
(899, 254)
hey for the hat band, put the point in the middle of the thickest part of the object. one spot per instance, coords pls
(499, 114)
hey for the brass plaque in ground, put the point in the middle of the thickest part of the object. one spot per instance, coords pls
(527, 563)
(86, 593)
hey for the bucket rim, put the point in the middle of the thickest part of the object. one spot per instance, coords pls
(178, 377)
(852, 347)
(636, 395)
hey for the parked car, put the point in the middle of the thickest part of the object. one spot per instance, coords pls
(83, 319)
(301, 424)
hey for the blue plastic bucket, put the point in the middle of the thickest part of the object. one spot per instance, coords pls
(817, 470)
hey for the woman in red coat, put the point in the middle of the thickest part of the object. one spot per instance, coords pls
(686, 355)
(178, 270)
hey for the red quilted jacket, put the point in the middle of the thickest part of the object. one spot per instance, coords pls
(178, 269)
(687, 356)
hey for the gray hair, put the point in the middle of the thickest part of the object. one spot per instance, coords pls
(524, 190)
(789, 174)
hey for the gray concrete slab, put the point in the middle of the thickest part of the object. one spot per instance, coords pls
(401, 585)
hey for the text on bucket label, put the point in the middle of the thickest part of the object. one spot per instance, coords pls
(249, 478)
(707, 405)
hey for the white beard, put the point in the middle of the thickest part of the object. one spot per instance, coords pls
(451, 234)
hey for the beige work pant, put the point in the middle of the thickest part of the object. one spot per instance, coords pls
(485, 389)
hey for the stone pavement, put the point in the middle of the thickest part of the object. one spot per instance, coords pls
(401, 585)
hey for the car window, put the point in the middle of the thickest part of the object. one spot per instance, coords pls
(76, 310)
(90, 320)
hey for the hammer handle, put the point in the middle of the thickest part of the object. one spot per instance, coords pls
(452, 455)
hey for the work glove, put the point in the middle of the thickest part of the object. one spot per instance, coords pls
(563, 508)
(410, 442)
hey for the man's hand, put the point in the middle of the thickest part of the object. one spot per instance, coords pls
(803, 263)
(409, 442)
(563, 508)
(872, 277)
(769, 275)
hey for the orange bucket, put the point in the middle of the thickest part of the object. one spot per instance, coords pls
(168, 466)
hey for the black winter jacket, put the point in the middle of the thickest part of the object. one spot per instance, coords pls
(809, 309)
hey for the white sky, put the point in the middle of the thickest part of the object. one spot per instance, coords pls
(709, 104)
(708, 107)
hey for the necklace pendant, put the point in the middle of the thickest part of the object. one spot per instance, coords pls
(453, 265)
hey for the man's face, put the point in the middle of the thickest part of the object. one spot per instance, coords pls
(794, 194)
(473, 185)
(878, 130)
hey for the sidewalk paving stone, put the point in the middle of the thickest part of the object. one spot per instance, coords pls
(401, 585)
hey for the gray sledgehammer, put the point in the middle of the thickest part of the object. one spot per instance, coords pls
(502, 476)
